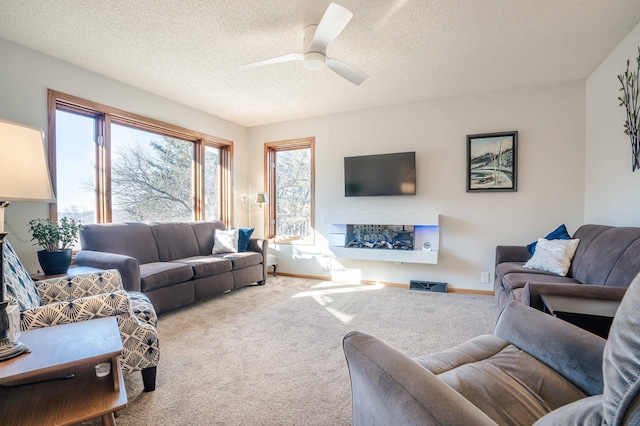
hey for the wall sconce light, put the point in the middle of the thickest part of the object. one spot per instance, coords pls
(255, 202)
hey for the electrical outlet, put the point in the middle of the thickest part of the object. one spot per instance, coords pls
(484, 277)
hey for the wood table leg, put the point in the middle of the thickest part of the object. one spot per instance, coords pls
(109, 420)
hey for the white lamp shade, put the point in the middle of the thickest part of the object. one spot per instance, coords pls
(24, 175)
(261, 198)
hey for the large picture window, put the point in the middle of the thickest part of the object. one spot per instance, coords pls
(108, 165)
(290, 181)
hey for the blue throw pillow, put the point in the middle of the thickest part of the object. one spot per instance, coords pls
(560, 233)
(244, 235)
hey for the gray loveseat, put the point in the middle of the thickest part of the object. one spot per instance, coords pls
(605, 263)
(171, 262)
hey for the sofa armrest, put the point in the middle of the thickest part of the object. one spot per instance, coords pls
(128, 266)
(259, 245)
(573, 352)
(390, 388)
(533, 291)
(512, 254)
(76, 286)
(81, 309)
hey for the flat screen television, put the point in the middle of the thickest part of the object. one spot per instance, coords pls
(382, 174)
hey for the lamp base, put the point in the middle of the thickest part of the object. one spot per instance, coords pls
(9, 349)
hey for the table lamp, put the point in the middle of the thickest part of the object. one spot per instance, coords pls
(24, 176)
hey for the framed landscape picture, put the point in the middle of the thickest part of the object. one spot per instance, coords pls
(492, 162)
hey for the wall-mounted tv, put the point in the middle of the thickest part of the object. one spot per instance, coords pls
(382, 174)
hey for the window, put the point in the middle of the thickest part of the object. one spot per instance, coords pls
(290, 181)
(211, 181)
(75, 165)
(151, 176)
(108, 165)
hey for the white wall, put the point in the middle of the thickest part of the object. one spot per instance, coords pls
(25, 76)
(551, 125)
(612, 189)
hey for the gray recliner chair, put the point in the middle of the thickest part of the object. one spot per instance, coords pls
(535, 368)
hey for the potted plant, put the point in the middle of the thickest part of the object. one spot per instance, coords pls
(56, 239)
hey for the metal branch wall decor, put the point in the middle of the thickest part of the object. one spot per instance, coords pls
(629, 98)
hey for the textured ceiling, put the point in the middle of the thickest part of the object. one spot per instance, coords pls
(189, 50)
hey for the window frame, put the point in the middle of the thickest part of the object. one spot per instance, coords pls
(105, 115)
(270, 150)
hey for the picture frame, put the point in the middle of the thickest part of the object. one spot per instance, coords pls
(492, 162)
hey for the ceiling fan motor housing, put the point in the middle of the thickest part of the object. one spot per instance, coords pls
(314, 47)
(311, 60)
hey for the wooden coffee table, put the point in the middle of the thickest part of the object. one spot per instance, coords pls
(49, 398)
(594, 315)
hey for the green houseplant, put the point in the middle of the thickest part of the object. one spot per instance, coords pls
(56, 239)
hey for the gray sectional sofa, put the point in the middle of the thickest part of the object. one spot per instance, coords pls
(171, 262)
(606, 261)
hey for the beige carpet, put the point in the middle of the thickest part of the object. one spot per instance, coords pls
(272, 355)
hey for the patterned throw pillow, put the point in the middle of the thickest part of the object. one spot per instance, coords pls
(20, 287)
(225, 241)
(553, 256)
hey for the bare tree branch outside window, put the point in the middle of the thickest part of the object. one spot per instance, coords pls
(152, 179)
(293, 193)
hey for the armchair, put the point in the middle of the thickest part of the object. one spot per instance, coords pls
(82, 298)
(535, 368)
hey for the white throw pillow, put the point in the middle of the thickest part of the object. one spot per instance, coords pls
(225, 241)
(553, 256)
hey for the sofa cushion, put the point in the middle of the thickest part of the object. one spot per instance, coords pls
(206, 266)
(243, 260)
(506, 268)
(174, 240)
(607, 255)
(162, 274)
(204, 234)
(504, 382)
(129, 239)
(518, 280)
(587, 411)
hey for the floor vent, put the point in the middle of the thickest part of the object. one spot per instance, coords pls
(428, 286)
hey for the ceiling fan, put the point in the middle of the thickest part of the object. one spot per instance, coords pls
(314, 49)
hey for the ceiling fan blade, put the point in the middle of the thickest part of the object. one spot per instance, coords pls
(285, 58)
(334, 20)
(346, 71)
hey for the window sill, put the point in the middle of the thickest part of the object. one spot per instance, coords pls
(292, 240)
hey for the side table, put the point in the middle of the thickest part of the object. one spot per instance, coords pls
(74, 270)
(56, 384)
(594, 315)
